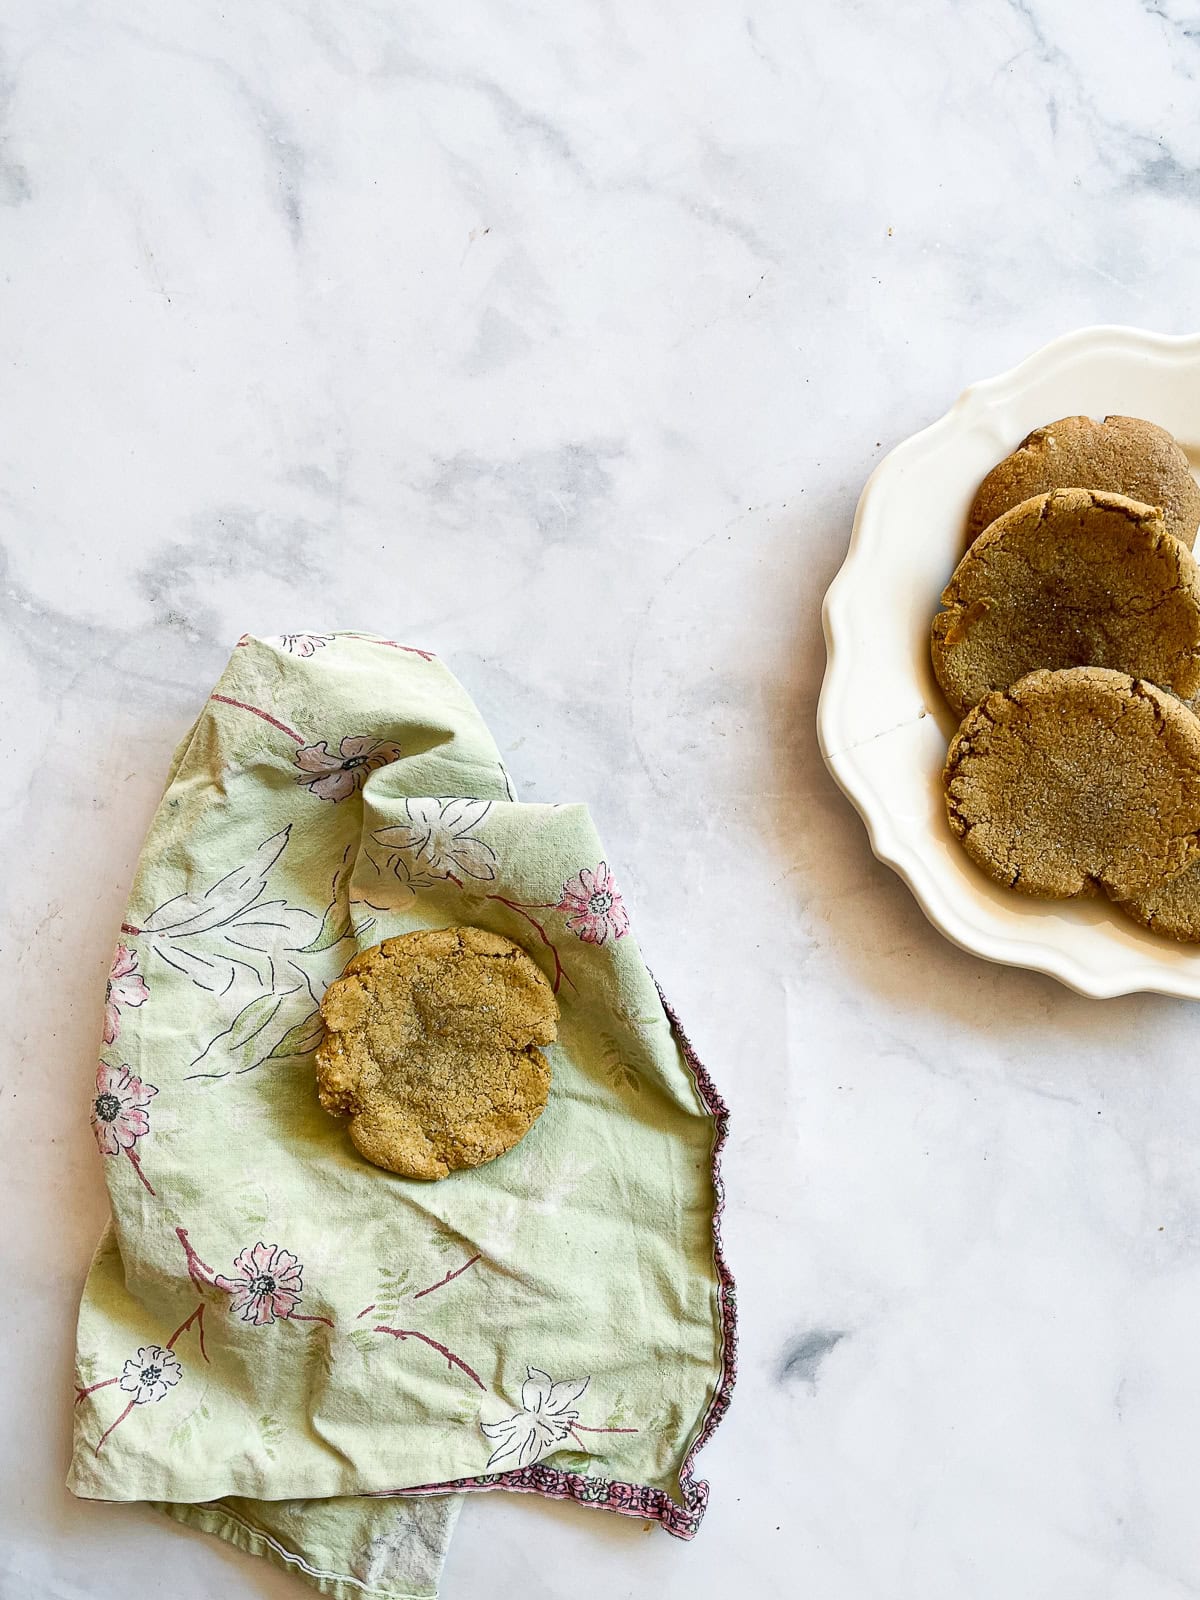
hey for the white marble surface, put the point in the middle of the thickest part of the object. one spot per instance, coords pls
(559, 337)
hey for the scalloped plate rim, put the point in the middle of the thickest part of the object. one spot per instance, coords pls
(1138, 973)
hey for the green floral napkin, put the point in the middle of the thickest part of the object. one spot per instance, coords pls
(292, 1348)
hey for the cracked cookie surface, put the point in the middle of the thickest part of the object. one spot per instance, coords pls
(1077, 780)
(1124, 455)
(431, 1049)
(1070, 578)
(1171, 908)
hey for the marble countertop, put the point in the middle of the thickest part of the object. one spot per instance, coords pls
(560, 338)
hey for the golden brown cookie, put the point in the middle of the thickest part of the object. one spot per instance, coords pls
(1075, 780)
(1071, 578)
(431, 1049)
(1124, 455)
(1172, 908)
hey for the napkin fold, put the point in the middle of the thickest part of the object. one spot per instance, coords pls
(296, 1350)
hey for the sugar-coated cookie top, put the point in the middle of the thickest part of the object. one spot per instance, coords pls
(1125, 455)
(1070, 578)
(431, 1049)
(1078, 780)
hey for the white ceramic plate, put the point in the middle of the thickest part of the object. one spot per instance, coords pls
(881, 721)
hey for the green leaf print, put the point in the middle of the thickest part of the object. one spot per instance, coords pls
(251, 1021)
(265, 1029)
(393, 1286)
(318, 1353)
(467, 1410)
(620, 1415)
(251, 1206)
(270, 1431)
(183, 1430)
(448, 1241)
(300, 1040)
(364, 1342)
(620, 1074)
(242, 1045)
(335, 924)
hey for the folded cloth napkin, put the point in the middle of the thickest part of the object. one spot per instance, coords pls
(296, 1350)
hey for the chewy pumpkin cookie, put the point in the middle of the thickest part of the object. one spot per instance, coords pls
(431, 1049)
(1075, 780)
(1071, 578)
(1123, 455)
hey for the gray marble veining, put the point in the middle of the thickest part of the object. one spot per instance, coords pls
(560, 338)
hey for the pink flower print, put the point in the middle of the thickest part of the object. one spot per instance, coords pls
(336, 776)
(593, 907)
(119, 1116)
(302, 644)
(268, 1284)
(124, 988)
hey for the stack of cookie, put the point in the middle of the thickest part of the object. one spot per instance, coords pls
(1069, 644)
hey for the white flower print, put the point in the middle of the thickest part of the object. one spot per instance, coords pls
(438, 838)
(301, 644)
(543, 1422)
(148, 1375)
